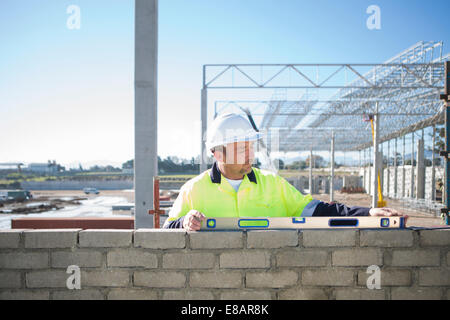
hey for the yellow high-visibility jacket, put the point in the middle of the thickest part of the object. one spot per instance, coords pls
(261, 194)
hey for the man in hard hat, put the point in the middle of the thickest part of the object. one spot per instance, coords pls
(233, 188)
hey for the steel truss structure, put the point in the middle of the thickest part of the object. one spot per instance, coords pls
(403, 91)
(401, 95)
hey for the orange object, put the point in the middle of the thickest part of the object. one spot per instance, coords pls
(156, 211)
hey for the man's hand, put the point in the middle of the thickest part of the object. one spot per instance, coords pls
(192, 220)
(386, 212)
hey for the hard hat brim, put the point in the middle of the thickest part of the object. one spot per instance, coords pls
(254, 136)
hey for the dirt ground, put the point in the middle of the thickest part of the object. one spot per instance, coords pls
(415, 218)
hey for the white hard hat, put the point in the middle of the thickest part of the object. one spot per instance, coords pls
(229, 128)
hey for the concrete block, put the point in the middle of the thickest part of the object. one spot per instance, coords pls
(246, 295)
(360, 294)
(448, 259)
(301, 258)
(105, 278)
(159, 279)
(160, 238)
(10, 279)
(104, 238)
(216, 240)
(440, 237)
(201, 260)
(245, 259)
(388, 277)
(270, 239)
(131, 258)
(329, 238)
(415, 258)
(217, 279)
(25, 295)
(82, 259)
(19, 260)
(357, 257)
(279, 279)
(409, 293)
(187, 295)
(386, 238)
(327, 277)
(434, 277)
(10, 238)
(82, 294)
(47, 279)
(298, 293)
(51, 238)
(132, 294)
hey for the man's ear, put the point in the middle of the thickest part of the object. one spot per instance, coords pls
(219, 154)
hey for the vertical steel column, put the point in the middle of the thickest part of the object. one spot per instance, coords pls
(364, 169)
(145, 106)
(369, 170)
(411, 195)
(447, 141)
(420, 177)
(403, 168)
(310, 171)
(332, 168)
(388, 182)
(376, 155)
(395, 169)
(433, 172)
(203, 117)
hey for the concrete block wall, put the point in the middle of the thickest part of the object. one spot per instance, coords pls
(268, 264)
(439, 173)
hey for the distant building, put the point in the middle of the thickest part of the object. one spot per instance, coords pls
(45, 168)
(128, 170)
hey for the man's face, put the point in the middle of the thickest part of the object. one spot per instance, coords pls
(237, 157)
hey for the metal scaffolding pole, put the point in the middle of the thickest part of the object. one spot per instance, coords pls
(145, 119)
(310, 172)
(395, 169)
(411, 195)
(433, 170)
(376, 155)
(445, 97)
(203, 116)
(420, 177)
(332, 168)
(364, 169)
(403, 168)
(388, 174)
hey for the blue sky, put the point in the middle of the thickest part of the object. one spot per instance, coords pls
(68, 94)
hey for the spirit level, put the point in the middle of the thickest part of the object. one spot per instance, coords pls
(303, 223)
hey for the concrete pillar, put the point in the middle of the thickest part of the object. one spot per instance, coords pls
(411, 194)
(376, 155)
(145, 106)
(203, 116)
(332, 169)
(420, 177)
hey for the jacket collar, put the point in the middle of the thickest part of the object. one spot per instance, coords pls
(216, 175)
